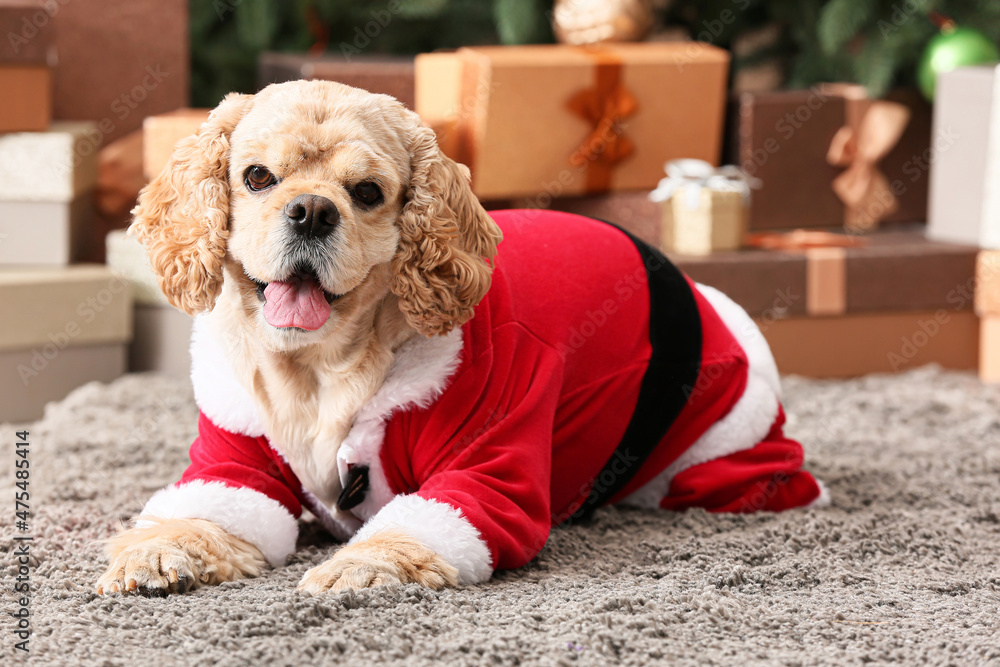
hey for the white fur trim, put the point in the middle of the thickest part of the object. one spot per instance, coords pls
(747, 422)
(440, 527)
(823, 499)
(217, 391)
(247, 514)
(419, 373)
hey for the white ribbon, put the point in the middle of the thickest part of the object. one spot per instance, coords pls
(693, 175)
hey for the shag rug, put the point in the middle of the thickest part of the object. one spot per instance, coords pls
(903, 568)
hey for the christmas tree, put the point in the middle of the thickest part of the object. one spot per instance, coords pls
(877, 43)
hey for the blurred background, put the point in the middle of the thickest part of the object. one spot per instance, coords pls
(828, 163)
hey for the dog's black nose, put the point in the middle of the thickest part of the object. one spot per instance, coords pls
(312, 216)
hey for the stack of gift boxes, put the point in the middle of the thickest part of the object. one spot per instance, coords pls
(64, 324)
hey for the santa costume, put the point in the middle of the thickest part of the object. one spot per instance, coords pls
(593, 372)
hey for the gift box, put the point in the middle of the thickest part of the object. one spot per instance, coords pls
(127, 258)
(837, 305)
(120, 62)
(573, 120)
(73, 324)
(27, 102)
(965, 196)
(162, 334)
(56, 165)
(27, 27)
(831, 157)
(703, 208)
(377, 74)
(45, 232)
(161, 133)
(820, 273)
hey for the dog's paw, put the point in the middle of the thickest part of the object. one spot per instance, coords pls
(153, 568)
(386, 558)
(175, 556)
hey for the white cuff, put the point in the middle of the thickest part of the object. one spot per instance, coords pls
(247, 514)
(440, 527)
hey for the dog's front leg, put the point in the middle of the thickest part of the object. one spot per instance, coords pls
(387, 557)
(175, 556)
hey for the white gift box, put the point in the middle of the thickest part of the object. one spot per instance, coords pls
(48, 233)
(56, 165)
(964, 205)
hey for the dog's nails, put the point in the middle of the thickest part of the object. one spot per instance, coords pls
(172, 575)
(100, 590)
(132, 585)
(113, 588)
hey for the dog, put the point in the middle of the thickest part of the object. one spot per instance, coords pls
(437, 385)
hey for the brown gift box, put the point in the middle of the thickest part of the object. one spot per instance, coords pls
(894, 270)
(161, 133)
(27, 34)
(784, 138)
(120, 62)
(572, 120)
(377, 74)
(27, 106)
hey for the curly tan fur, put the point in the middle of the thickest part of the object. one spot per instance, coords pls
(182, 216)
(175, 556)
(447, 242)
(389, 557)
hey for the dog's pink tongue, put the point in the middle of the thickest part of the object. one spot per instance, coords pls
(296, 303)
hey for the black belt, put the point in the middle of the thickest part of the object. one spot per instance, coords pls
(675, 338)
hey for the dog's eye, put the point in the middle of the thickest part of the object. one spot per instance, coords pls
(259, 178)
(367, 193)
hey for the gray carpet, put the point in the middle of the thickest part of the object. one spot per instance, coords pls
(904, 568)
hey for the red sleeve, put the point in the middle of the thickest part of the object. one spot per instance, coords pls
(496, 467)
(242, 461)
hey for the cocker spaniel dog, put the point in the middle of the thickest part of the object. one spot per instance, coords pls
(365, 347)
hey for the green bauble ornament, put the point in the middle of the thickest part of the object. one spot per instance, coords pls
(953, 48)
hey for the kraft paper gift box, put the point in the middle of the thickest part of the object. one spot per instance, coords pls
(56, 165)
(703, 209)
(161, 133)
(45, 232)
(162, 334)
(832, 157)
(62, 328)
(573, 120)
(27, 91)
(377, 74)
(965, 192)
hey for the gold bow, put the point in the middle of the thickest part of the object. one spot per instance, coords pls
(863, 188)
(604, 106)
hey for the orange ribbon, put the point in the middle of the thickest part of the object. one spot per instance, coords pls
(860, 146)
(604, 106)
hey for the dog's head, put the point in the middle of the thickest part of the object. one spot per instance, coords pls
(310, 200)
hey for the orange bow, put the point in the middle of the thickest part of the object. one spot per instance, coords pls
(863, 188)
(604, 106)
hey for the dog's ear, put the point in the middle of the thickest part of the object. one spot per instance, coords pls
(447, 241)
(183, 214)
